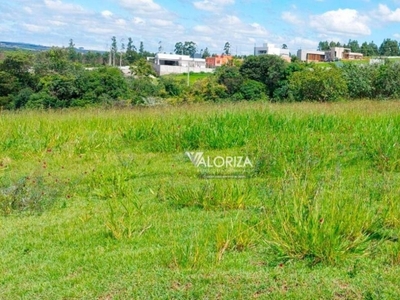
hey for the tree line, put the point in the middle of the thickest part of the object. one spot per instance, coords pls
(388, 47)
(58, 78)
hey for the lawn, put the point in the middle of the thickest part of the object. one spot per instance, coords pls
(193, 77)
(105, 204)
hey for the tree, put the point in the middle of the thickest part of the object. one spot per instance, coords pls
(55, 60)
(354, 46)
(332, 44)
(131, 53)
(141, 68)
(317, 84)
(360, 79)
(114, 49)
(230, 77)
(72, 54)
(267, 69)
(160, 47)
(389, 48)
(373, 48)
(121, 53)
(369, 49)
(186, 48)
(323, 46)
(179, 48)
(17, 65)
(284, 46)
(227, 48)
(206, 53)
(8, 84)
(387, 81)
(141, 48)
(190, 48)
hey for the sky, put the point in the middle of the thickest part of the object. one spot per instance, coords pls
(208, 23)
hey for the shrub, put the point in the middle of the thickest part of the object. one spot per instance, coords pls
(208, 89)
(387, 81)
(21, 99)
(360, 80)
(318, 84)
(42, 100)
(230, 77)
(173, 86)
(267, 69)
(102, 81)
(252, 90)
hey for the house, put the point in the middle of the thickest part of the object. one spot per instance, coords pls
(217, 61)
(165, 64)
(271, 50)
(310, 55)
(333, 54)
(336, 53)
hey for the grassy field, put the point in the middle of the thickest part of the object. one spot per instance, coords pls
(193, 77)
(104, 204)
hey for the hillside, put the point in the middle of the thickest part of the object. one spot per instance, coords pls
(33, 47)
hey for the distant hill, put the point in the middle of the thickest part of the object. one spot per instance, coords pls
(22, 46)
(33, 47)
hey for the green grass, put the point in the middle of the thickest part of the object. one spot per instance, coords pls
(104, 204)
(193, 77)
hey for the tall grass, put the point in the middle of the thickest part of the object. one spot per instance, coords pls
(323, 189)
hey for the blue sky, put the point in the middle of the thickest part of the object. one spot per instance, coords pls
(209, 23)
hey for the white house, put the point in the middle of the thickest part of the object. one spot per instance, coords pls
(177, 64)
(334, 53)
(271, 49)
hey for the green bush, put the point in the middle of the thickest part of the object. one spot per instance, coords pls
(317, 84)
(21, 98)
(43, 100)
(360, 80)
(208, 89)
(387, 81)
(173, 86)
(102, 81)
(252, 90)
(230, 77)
(267, 69)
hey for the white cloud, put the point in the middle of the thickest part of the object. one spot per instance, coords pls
(385, 14)
(212, 5)
(137, 20)
(107, 14)
(302, 43)
(120, 22)
(28, 10)
(214, 32)
(57, 23)
(35, 28)
(141, 6)
(58, 5)
(230, 21)
(204, 29)
(291, 18)
(342, 22)
(161, 23)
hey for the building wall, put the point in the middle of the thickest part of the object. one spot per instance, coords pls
(310, 55)
(165, 70)
(270, 49)
(217, 61)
